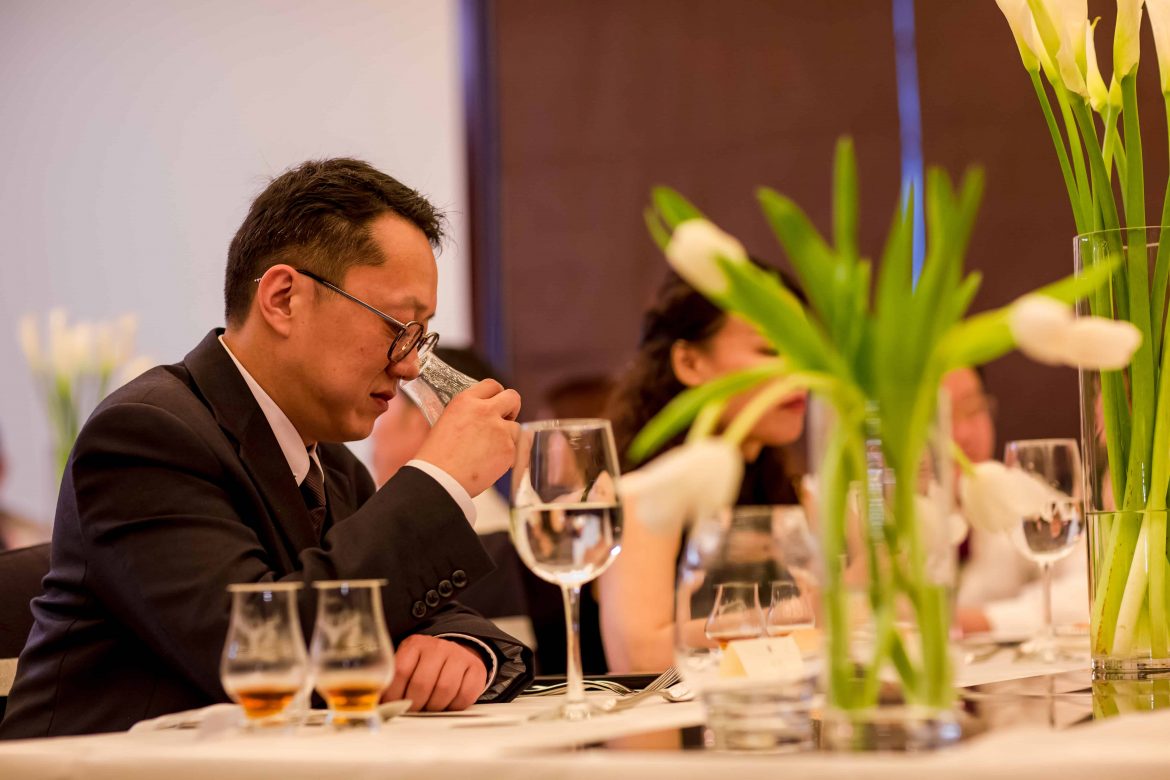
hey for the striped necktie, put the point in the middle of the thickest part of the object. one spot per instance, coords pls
(313, 491)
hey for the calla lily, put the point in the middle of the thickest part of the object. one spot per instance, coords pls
(1127, 37)
(1039, 325)
(1160, 21)
(30, 343)
(1061, 24)
(693, 248)
(1098, 92)
(689, 481)
(1019, 19)
(996, 497)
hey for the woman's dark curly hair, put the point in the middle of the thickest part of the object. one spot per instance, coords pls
(679, 312)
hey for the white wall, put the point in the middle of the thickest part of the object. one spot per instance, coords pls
(134, 134)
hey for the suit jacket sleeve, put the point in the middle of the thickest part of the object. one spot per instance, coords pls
(168, 520)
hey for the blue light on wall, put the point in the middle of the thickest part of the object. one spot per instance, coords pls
(910, 120)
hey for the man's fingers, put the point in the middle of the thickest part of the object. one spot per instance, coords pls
(405, 661)
(484, 389)
(470, 688)
(447, 686)
(506, 404)
(422, 682)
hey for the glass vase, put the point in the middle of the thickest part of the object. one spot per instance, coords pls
(1127, 461)
(889, 537)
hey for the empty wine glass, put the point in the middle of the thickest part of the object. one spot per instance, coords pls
(264, 662)
(736, 614)
(352, 657)
(567, 521)
(1052, 530)
(434, 387)
(790, 609)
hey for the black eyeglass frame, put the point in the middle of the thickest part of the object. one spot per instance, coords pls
(408, 336)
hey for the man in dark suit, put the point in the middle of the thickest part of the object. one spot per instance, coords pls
(225, 468)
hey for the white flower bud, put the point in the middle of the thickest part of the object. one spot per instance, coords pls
(996, 498)
(30, 343)
(1039, 325)
(1102, 344)
(692, 250)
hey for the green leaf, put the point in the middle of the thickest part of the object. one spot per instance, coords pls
(673, 207)
(811, 257)
(679, 413)
(845, 201)
(657, 230)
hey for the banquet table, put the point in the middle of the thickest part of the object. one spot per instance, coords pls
(501, 741)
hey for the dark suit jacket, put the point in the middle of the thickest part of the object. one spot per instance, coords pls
(176, 488)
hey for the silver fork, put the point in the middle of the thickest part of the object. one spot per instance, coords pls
(608, 686)
(658, 687)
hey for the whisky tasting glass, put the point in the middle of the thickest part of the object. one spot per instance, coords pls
(352, 658)
(264, 664)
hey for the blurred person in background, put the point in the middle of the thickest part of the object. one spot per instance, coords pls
(398, 434)
(999, 589)
(686, 341)
(15, 529)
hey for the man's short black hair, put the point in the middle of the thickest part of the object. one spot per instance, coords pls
(317, 216)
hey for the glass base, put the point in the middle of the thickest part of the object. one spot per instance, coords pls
(904, 729)
(355, 721)
(768, 719)
(1112, 668)
(570, 711)
(1053, 649)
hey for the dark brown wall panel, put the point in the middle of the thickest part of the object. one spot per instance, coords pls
(599, 100)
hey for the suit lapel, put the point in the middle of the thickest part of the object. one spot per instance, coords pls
(236, 411)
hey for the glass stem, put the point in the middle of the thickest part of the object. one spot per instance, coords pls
(575, 685)
(1046, 586)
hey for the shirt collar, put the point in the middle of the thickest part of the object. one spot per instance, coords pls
(290, 441)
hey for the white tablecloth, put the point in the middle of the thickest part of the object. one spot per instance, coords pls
(498, 741)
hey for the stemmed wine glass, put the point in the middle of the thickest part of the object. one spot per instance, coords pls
(1049, 532)
(567, 521)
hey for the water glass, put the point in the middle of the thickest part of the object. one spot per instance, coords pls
(434, 387)
(352, 658)
(264, 664)
(567, 521)
(1053, 530)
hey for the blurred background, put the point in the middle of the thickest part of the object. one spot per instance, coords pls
(134, 133)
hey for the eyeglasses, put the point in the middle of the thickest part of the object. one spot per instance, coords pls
(407, 335)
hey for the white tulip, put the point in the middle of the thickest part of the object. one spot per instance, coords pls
(1160, 21)
(693, 248)
(690, 481)
(1040, 325)
(939, 525)
(1101, 343)
(996, 497)
(30, 343)
(1019, 19)
(82, 343)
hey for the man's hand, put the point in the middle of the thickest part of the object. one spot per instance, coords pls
(474, 439)
(436, 674)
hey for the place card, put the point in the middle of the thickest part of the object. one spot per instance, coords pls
(763, 658)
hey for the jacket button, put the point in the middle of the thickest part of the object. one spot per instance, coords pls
(419, 610)
(432, 598)
(445, 588)
(459, 578)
